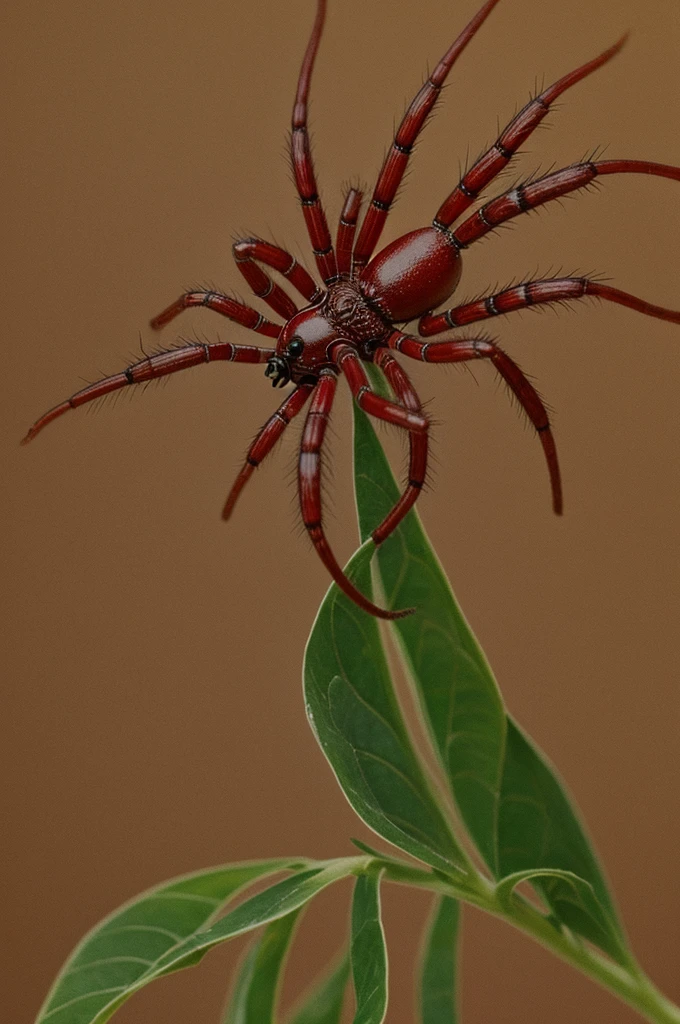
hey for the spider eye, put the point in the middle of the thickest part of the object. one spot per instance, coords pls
(295, 347)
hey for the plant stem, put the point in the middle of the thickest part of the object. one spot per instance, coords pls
(629, 984)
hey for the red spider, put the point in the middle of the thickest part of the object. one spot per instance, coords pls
(353, 319)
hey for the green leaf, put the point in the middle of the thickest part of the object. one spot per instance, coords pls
(125, 945)
(171, 927)
(460, 700)
(538, 828)
(368, 953)
(354, 714)
(509, 797)
(575, 904)
(323, 1004)
(255, 994)
(438, 988)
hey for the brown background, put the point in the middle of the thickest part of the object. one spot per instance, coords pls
(154, 716)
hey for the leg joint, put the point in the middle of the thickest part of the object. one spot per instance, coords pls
(503, 150)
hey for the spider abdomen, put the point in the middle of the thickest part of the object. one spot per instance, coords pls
(413, 274)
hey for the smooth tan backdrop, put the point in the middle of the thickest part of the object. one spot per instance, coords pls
(153, 714)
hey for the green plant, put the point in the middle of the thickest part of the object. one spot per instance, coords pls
(510, 803)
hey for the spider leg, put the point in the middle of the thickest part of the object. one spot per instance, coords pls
(150, 368)
(222, 304)
(534, 293)
(412, 123)
(514, 135)
(310, 492)
(249, 250)
(347, 229)
(375, 405)
(534, 193)
(303, 165)
(418, 445)
(265, 441)
(464, 349)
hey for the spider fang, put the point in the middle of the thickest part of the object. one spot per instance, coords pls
(279, 371)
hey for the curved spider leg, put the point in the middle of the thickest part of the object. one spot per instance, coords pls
(150, 368)
(347, 227)
(233, 310)
(265, 441)
(464, 349)
(418, 445)
(532, 194)
(367, 400)
(535, 293)
(412, 123)
(303, 165)
(310, 492)
(248, 252)
(514, 135)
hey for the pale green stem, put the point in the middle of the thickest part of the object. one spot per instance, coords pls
(629, 984)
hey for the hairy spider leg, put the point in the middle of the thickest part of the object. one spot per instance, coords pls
(347, 226)
(535, 293)
(222, 304)
(464, 349)
(375, 405)
(534, 193)
(514, 135)
(310, 492)
(150, 368)
(409, 416)
(412, 123)
(303, 166)
(248, 252)
(418, 444)
(265, 440)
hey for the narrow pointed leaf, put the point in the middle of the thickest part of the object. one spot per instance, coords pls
(538, 828)
(125, 945)
(460, 700)
(255, 994)
(113, 962)
(438, 981)
(368, 952)
(511, 800)
(323, 1004)
(354, 713)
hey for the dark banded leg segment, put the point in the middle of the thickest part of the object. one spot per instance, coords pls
(418, 445)
(551, 186)
(535, 293)
(149, 369)
(248, 252)
(346, 230)
(466, 349)
(411, 125)
(484, 170)
(375, 405)
(303, 166)
(222, 304)
(265, 441)
(310, 492)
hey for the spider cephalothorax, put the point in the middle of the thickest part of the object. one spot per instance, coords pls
(305, 345)
(354, 318)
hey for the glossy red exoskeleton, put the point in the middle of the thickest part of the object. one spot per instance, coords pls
(354, 318)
